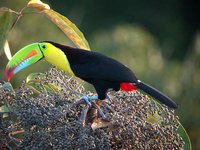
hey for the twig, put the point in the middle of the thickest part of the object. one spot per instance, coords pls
(109, 107)
(99, 110)
(19, 15)
(84, 114)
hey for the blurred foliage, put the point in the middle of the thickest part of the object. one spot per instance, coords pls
(173, 22)
(159, 40)
(68, 28)
(6, 18)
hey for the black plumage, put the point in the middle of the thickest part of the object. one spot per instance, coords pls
(106, 73)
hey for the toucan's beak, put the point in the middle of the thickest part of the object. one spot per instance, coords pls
(24, 58)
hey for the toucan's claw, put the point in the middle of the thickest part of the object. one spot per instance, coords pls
(90, 101)
(99, 110)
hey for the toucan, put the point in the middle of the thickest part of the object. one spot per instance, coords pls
(103, 72)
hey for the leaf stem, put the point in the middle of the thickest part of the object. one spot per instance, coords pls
(19, 15)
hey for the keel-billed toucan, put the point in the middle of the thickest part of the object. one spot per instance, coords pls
(102, 72)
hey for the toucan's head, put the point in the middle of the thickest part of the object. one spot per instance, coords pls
(35, 52)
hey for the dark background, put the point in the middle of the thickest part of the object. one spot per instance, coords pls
(158, 39)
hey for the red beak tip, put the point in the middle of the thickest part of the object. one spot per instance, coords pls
(8, 79)
(9, 73)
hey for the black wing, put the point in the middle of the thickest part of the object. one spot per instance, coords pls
(93, 65)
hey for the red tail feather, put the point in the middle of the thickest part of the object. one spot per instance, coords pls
(125, 86)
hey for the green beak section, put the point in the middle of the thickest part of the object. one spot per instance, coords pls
(23, 58)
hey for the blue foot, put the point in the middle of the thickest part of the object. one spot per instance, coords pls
(87, 99)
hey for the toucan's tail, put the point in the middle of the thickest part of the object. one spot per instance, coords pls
(156, 94)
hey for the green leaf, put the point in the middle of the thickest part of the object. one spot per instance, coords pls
(7, 50)
(35, 82)
(35, 77)
(6, 21)
(38, 4)
(153, 118)
(156, 118)
(7, 86)
(5, 109)
(68, 28)
(182, 132)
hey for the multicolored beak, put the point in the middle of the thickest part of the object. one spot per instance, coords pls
(24, 58)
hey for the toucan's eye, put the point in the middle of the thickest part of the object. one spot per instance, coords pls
(44, 46)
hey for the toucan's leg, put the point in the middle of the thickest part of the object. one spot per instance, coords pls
(109, 107)
(84, 115)
(107, 96)
(90, 101)
(109, 99)
(87, 99)
(99, 110)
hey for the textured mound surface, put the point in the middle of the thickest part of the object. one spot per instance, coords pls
(52, 121)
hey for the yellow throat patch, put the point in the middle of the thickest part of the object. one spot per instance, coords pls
(56, 57)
